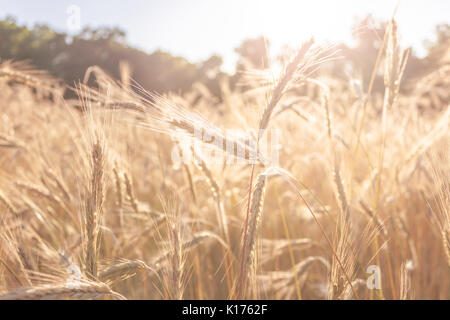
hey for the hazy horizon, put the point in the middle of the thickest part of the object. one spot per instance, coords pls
(178, 27)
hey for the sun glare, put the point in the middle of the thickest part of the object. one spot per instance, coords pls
(294, 21)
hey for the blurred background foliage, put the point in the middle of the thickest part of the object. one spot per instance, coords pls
(67, 57)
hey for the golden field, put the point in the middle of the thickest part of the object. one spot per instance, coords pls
(93, 205)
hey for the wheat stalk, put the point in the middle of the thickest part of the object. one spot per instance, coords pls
(118, 187)
(130, 193)
(7, 203)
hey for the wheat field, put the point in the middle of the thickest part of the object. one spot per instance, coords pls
(94, 203)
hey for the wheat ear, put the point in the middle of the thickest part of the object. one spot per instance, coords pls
(62, 291)
(94, 205)
(123, 270)
(279, 90)
(249, 248)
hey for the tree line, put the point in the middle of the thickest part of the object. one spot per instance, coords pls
(67, 57)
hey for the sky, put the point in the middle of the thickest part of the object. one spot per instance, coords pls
(197, 29)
